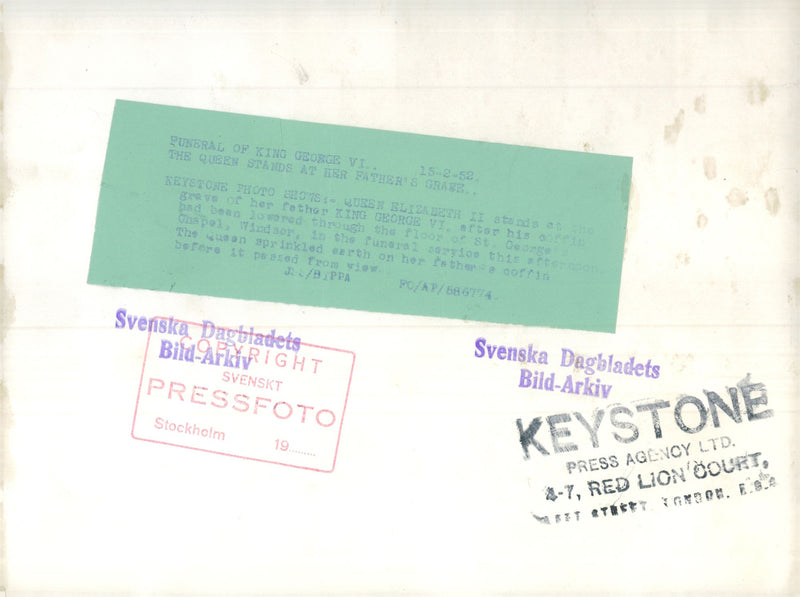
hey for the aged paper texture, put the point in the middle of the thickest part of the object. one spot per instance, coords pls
(165, 433)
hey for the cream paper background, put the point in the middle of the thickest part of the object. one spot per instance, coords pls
(430, 491)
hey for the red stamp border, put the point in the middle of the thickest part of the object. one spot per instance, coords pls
(341, 422)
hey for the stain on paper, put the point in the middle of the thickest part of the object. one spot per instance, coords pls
(671, 131)
(757, 91)
(700, 104)
(772, 201)
(682, 360)
(702, 221)
(736, 198)
(710, 167)
(302, 75)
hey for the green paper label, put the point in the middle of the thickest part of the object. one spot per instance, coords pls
(257, 208)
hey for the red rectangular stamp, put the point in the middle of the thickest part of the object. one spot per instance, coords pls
(243, 394)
